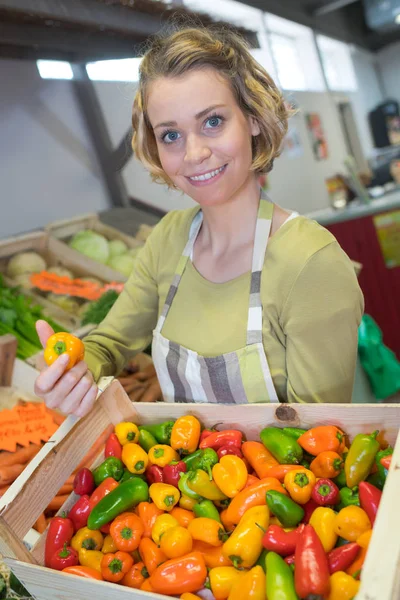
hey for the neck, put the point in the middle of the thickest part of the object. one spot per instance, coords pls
(232, 223)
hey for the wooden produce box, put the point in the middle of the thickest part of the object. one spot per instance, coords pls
(64, 230)
(25, 500)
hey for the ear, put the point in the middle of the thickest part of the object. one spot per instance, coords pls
(254, 127)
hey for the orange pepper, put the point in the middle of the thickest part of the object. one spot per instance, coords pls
(229, 525)
(151, 554)
(322, 438)
(364, 539)
(106, 486)
(176, 542)
(189, 597)
(280, 471)
(300, 484)
(182, 516)
(148, 513)
(230, 475)
(259, 457)
(185, 574)
(126, 532)
(87, 572)
(251, 480)
(185, 434)
(255, 495)
(114, 567)
(146, 586)
(64, 343)
(326, 464)
(135, 576)
(213, 556)
(355, 568)
(208, 531)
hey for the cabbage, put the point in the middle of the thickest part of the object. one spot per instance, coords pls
(123, 264)
(117, 247)
(25, 262)
(61, 272)
(91, 244)
(65, 302)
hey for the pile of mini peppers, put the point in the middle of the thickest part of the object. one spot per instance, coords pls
(175, 508)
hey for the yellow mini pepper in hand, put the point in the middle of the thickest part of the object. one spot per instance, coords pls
(162, 455)
(351, 522)
(134, 458)
(88, 539)
(161, 525)
(164, 496)
(323, 521)
(251, 586)
(299, 484)
(64, 343)
(230, 475)
(127, 432)
(245, 544)
(185, 434)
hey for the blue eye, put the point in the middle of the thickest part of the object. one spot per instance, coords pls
(214, 121)
(169, 137)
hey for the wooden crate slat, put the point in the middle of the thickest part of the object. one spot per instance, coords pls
(11, 545)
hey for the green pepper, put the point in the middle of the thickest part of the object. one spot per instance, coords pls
(360, 458)
(185, 489)
(341, 542)
(294, 432)
(284, 448)
(111, 467)
(128, 475)
(261, 559)
(280, 579)
(201, 459)
(340, 479)
(200, 483)
(284, 508)
(349, 497)
(146, 440)
(206, 508)
(377, 480)
(161, 431)
(126, 496)
(381, 469)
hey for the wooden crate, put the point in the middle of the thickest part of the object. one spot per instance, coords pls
(25, 500)
(64, 230)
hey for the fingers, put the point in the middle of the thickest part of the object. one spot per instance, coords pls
(60, 391)
(44, 331)
(87, 402)
(73, 400)
(50, 375)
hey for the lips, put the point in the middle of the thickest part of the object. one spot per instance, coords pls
(207, 176)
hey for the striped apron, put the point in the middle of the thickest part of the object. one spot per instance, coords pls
(236, 377)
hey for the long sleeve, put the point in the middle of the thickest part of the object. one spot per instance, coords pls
(320, 320)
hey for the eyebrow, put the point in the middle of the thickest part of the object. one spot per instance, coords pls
(199, 115)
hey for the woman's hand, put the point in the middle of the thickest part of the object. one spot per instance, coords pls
(71, 392)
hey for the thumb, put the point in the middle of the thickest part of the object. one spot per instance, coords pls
(44, 331)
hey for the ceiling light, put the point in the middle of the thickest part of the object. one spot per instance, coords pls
(54, 69)
(397, 19)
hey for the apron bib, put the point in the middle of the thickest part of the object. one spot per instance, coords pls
(238, 377)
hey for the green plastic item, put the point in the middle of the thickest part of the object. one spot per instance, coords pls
(379, 363)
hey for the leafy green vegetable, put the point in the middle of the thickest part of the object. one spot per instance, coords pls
(17, 587)
(98, 310)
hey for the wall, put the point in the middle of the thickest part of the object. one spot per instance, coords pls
(47, 170)
(389, 61)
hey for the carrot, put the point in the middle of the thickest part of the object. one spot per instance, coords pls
(57, 502)
(19, 457)
(95, 449)
(40, 525)
(3, 490)
(65, 489)
(9, 473)
(56, 416)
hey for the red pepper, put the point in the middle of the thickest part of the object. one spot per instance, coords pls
(61, 530)
(290, 560)
(154, 474)
(79, 513)
(229, 449)
(113, 447)
(325, 492)
(172, 472)
(308, 508)
(64, 557)
(339, 559)
(370, 498)
(386, 461)
(221, 438)
(106, 486)
(206, 432)
(282, 542)
(84, 482)
(311, 575)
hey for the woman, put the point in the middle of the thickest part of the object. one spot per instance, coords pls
(248, 302)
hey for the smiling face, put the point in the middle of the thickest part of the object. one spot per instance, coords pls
(203, 138)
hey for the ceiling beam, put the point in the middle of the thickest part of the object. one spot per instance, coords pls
(332, 6)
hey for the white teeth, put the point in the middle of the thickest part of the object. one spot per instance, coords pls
(207, 175)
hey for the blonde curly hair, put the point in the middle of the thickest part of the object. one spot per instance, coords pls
(228, 53)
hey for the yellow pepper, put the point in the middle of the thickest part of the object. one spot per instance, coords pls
(230, 475)
(245, 544)
(251, 586)
(64, 343)
(199, 482)
(109, 545)
(164, 496)
(127, 432)
(299, 484)
(185, 434)
(343, 586)
(222, 580)
(189, 596)
(91, 558)
(88, 539)
(162, 455)
(323, 521)
(208, 531)
(364, 539)
(186, 502)
(161, 525)
(351, 522)
(134, 458)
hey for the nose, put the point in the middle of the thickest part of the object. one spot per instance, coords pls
(197, 149)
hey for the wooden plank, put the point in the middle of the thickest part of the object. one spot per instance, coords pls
(8, 353)
(12, 546)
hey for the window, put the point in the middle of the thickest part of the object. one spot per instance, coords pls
(338, 64)
(124, 69)
(54, 69)
(290, 73)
